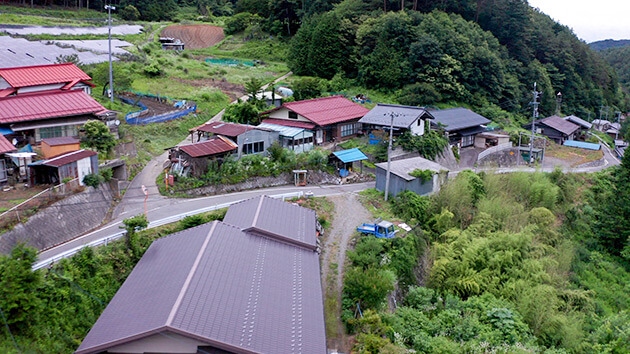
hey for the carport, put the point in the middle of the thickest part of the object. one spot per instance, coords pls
(345, 159)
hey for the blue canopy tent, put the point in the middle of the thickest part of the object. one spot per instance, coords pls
(346, 158)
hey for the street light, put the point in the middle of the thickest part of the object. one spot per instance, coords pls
(109, 9)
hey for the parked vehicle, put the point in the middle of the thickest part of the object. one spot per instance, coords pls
(380, 229)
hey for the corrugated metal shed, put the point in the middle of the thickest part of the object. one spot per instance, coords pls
(560, 125)
(217, 284)
(43, 75)
(283, 130)
(406, 115)
(210, 147)
(69, 157)
(47, 105)
(458, 118)
(402, 168)
(350, 155)
(582, 145)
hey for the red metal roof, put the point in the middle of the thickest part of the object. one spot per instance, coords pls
(69, 157)
(5, 145)
(327, 110)
(47, 105)
(64, 140)
(211, 147)
(43, 75)
(289, 123)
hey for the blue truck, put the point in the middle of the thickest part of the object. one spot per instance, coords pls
(380, 229)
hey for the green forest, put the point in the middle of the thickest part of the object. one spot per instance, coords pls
(617, 57)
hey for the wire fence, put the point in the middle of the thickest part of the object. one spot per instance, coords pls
(181, 108)
(171, 219)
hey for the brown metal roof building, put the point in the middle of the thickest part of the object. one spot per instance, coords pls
(218, 288)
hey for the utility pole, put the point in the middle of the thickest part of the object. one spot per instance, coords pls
(109, 9)
(392, 114)
(534, 116)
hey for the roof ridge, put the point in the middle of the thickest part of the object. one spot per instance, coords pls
(36, 66)
(400, 106)
(315, 99)
(190, 275)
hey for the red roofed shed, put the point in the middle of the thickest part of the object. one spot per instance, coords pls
(194, 158)
(75, 164)
(332, 118)
(27, 79)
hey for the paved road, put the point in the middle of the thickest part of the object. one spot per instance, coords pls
(161, 207)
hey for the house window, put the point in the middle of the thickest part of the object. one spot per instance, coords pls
(253, 148)
(293, 115)
(56, 132)
(468, 140)
(3, 171)
(419, 122)
(348, 129)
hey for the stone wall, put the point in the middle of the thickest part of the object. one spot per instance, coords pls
(62, 221)
(504, 158)
(312, 178)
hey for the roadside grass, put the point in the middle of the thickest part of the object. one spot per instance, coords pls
(575, 156)
(332, 308)
(362, 143)
(374, 201)
(54, 11)
(324, 208)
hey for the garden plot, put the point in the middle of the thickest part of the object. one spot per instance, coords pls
(16, 52)
(97, 45)
(69, 30)
(195, 36)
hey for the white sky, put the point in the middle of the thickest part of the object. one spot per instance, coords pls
(590, 20)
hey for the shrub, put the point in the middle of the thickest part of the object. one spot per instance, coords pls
(130, 13)
(368, 287)
(239, 22)
(430, 145)
(92, 180)
(152, 70)
(98, 136)
(408, 205)
(306, 87)
(106, 174)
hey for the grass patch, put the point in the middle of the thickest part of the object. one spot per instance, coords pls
(575, 156)
(54, 11)
(15, 19)
(374, 202)
(235, 46)
(324, 208)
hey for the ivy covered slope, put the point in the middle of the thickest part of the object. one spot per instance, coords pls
(504, 263)
(483, 54)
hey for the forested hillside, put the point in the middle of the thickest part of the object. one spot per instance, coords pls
(609, 43)
(617, 57)
(485, 54)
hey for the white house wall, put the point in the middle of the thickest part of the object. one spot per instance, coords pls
(84, 168)
(417, 129)
(159, 343)
(283, 113)
(40, 88)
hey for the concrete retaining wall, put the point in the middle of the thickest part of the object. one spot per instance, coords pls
(61, 221)
(504, 158)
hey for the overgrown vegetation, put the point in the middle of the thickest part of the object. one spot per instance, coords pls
(429, 145)
(517, 262)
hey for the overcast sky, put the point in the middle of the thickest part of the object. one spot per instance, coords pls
(590, 20)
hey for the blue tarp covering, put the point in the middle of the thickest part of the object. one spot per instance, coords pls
(6, 131)
(350, 155)
(582, 145)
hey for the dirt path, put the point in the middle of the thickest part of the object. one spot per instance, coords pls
(195, 36)
(349, 213)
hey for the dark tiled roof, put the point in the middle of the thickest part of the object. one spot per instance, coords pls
(64, 140)
(224, 128)
(275, 218)
(210, 147)
(69, 157)
(217, 284)
(458, 118)
(407, 115)
(559, 124)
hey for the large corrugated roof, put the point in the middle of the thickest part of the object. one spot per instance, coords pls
(43, 75)
(225, 128)
(458, 118)
(326, 110)
(275, 218)
(283, 130)
(405, 116)
(290, 123)
(5, 145)
(350, 155)
(215, 283)
(578, 121)
(52, 104)
(402, 168)
(210, 147)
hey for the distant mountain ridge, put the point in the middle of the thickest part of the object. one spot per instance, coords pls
(609, 43)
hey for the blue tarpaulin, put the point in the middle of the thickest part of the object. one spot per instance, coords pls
(6, 131)
(582, 145)
(350, 155)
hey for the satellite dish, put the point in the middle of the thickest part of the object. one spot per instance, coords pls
(14, 141)
(117, 122)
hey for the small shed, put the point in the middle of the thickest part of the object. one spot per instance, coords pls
(5, 147)
(57, 146)
(401, 178)
(75, 164)
(250, 139)
(487, 140)
(295, 139)
(195, 158)
(271, 98)
(345, 159)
